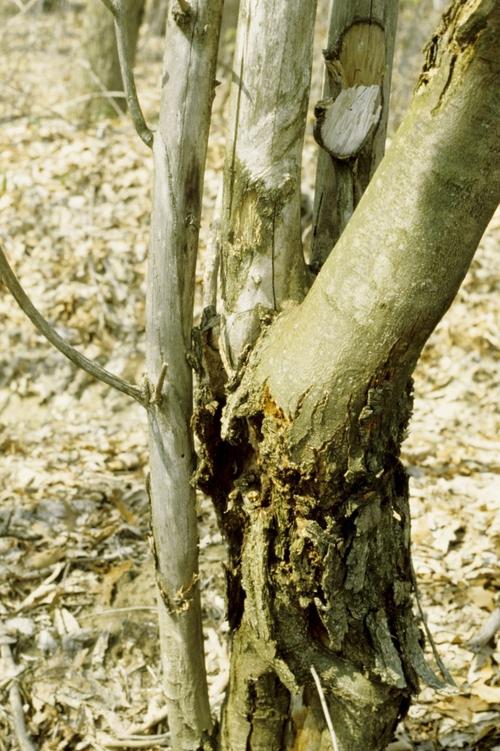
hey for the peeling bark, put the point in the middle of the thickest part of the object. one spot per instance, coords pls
(358, 66)
(303, 459)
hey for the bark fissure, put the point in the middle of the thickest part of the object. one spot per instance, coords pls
(315, 507)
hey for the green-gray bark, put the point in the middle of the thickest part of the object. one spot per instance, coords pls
(305, 470)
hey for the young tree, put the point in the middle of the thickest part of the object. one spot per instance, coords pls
(303, 387)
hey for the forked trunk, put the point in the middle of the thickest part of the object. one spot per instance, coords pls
(302, 460)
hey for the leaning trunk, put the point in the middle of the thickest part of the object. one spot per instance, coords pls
(303, 460)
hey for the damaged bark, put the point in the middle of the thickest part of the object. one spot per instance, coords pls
(301, 450)
(351, 119)
(262, 264)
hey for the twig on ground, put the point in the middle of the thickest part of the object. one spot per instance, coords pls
(159, 716)
(442, 667)
(486, 632)
(117, 611)
(134, 741)
(16, 703)
(325, 709)
(44, 327)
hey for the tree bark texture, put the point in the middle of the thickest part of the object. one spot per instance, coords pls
(179, 150)
(304, 466)
(99, 71)
(262, 263)
(358, 59)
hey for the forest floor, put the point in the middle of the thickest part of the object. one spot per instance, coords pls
(77, 603)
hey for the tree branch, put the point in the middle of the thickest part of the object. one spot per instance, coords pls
(118, 10)
(44, 327)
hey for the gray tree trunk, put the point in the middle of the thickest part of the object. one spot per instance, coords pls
(302, 455)
(157, 11)
(262, 262)
(97, 74)
(179, 150)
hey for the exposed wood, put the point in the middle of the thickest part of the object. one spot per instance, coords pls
(179, 150)
(318, 488)
(358, 58)
(344, 124)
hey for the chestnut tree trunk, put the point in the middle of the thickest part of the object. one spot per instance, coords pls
(303, 383)
(300, 448)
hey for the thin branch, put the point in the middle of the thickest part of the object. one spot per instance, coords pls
(16, 703)
(442, 667)
(44, 327)
(118, 10)
(136, 741)
(325, 709)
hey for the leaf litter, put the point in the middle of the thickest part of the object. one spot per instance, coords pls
(77, 600)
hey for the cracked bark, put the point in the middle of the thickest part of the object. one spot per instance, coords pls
(303, 458)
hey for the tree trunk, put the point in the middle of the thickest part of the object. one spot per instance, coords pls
(356, 90)
(179, 151)
(262, 263)
(97, 76)
(303, 459)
